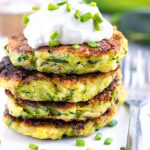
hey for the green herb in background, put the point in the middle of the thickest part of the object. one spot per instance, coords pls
(113, 6)
(135, 25)
(112, 123)
(80, 142)
(108, 141)
(33, 146)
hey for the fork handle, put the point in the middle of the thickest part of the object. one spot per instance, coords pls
(134, 139)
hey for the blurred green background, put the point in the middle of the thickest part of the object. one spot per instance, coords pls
(131, 16)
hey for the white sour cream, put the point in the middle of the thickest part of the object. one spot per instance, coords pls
(44, 23)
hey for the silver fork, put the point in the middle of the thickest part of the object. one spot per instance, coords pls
(136, 79)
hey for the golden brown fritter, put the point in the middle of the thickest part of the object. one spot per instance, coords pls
(36, 86)
(66, 60)
(50, 129)
(92, 108)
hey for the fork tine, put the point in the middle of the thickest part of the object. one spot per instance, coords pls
(126, 70)
(147, 69)
(133, 70)
(141, 74)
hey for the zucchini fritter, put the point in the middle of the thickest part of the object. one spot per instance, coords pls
(66, 60)
(36, 86)
(92, 108)
(56, 129)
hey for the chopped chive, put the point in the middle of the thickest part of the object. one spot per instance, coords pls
(80, 142)
(52, 6)
(33, 146)
(76, 46)
(53, 44)
(54, 35)
(112, 123)
(93, 44)
(108, 141)
(98, 136)
(86, 17)
(77, 14)
(93, 4)
(68, 7)
(122, 148)
(61, 3)
(35, 8)
(89, 149)
(26, 19)
(97, 18)
(96, 26)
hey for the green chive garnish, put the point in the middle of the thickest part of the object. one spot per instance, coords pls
(86, 17)
(77, 14)
(108, 141)
(98, 136)
(89, 149)
(80, 142)
(76, 46)
(68, 7)
(52, 6)
(112, 123)
(26, 19)
(33, 146)
(93, 44)
(122, 148)
(35, 8)
(96, 26)
(93, 4)
(53, 44)
(54, 35)
(62, 3)
(97, 18)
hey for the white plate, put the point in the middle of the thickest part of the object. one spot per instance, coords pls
(13, 141)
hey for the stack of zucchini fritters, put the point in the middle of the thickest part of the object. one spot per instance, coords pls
(62, 91)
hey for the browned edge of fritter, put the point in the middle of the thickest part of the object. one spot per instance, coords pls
(18, 44)
(10, 72)
(103, 96)
(60, 123)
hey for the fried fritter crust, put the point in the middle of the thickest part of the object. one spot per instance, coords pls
(36, 86)
(66, 60)
(50, 129)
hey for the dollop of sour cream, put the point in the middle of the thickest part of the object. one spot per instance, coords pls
(43, 23)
